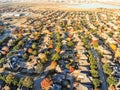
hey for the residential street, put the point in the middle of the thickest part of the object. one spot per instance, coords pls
(104, 85)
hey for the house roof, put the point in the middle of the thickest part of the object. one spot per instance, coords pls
(83, 56)
(83, 62)
(81, 87)
(6, 88)
(84, 78)
(5, 48)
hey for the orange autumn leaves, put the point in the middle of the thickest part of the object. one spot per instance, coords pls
(53, 65)
(45, 84)
(71, 69)
(57, 49)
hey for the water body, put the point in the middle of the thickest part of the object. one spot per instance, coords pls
(94, 5)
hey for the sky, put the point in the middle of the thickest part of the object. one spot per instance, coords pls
(60, 0)
(110, 0)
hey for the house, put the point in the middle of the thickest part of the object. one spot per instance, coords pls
(6, 87)
(83, 57)
(108, 56)
(5, 48)
(107, 52)
(80, 87)
(111, 41)
(31, 64)
(83, 62)
(118, 86)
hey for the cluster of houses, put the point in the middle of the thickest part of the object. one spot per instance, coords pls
(51, 44)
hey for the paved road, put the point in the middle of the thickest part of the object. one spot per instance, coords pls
(104, 85)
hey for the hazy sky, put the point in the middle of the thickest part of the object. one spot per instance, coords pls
(60, 0)
(110, 0)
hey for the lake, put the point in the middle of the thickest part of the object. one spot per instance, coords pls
(94, 5)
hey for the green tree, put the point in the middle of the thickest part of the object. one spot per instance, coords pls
(43, 57)
(96, 83)
(58, 37)
(2, 77)
(20, 83)
(34, 45)
(94, 73)
(111, 80)
(34, 53)
(2, 60)
(9, 54)
(59, 45)
(107, 69)
(55, 57)
(15, 81)
(70, 44)
(39, 67)
(28, 82)
(25, 56)
(20, 43)
(10, 78)
(16, 47)
(93, 67)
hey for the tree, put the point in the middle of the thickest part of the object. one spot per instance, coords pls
(70, 44)
(20, 83)
(2, 77)
(45, 84)
(59, 44)
(55, 57)
(39, 67)
(34, 45)
(113, 47)
(28, 82)
(16, 47)
(53, 65)
(58, 37)
(93, 67)
(34, 53)
(25, 56)
(15, 81)
(30, 50)
(96, 83)
(43, 57)
(94, 73)
(107, 69)
(111, 80)
(36, 37)
(10, 78)
(2, 60)
(71, 69)
(9, 54)
(20, 43)
(57, 50)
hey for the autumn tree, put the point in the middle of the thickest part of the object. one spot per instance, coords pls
(28, 82)
(43, 57)
(55, 57)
